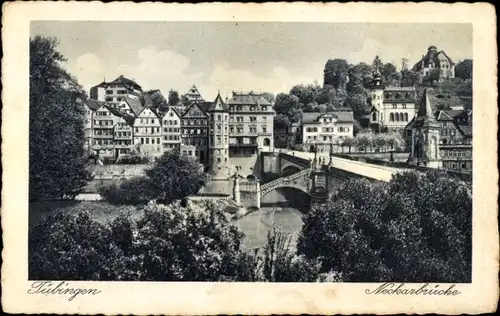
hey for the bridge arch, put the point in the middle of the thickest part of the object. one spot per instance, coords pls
(289, 169)
(287, 196)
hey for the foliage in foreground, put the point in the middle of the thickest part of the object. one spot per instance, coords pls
(168, 243)
(172, 177)
(415, 228)
(56, 156)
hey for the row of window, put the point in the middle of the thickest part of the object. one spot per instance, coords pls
(395, 106)
(171, 137)
(454, 153)
(241, 119)
(193, 131)
(194, 122)
(170, 122)
(193, 141)
(328, 129)
(99, 132)
(123, 134)
(251, 108)
(117, 92)
(103, 122)
(144, 130)
(446, 132)
(397, 117)
(171, 130)
(145, 140)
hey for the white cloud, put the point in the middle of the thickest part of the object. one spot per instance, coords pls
(165, 70)
(88, 69)
(387, 53)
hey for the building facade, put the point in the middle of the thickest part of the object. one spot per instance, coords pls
(319, 130)
(392, 107)
(147, 133)
(194, 133)
(435, 59)
(171, 130)
(193, 95)
(103, 132)
(123, 135)
(251, 119)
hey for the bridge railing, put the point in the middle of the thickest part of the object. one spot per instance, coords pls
(281, 180)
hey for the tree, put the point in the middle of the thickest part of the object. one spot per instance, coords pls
(359, 104)
(409, 78)
(349, 142)
(175, 177)
(377, 64)
(389, 73)
(433, 77)
(335, 73)
(416, 228)
(56, 133)
(364, 140)
(173, 97)
(404, 64)
(288, 105)
(185, 100)
(379, 141)
(268, 96)
(154, 99)
(464, 69)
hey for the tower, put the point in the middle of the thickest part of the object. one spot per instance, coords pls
(377, 98)
(219, 138)
(425, 136)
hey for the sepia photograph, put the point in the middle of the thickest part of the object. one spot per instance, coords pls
(251, 152)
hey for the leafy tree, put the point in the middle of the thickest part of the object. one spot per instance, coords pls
(288, 105)
(416, 228)
(154, 99)
(404, 64)
(174, 177)
(464, 69)
(349, 142)
(335, 73)
(364, 140)
(389, 73)
(409, 78)
(136, 190)
(394, 140)
(377, 64)
(56, 134)
(305, 93)
(380, 141)
(359, 104)
(360, 75)
(268, 96)
(281, 121)
(173, 97)
(185, 100)
(433, 77)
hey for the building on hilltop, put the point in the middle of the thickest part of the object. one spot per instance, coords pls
(435, 59)
(112, 92)
(251, 119)
(320, 130)
(391, 107)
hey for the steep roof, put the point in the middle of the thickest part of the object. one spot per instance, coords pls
(247, 99)
(431, 57)
(465, 129)
(94, 104)
(425, 115)
(126, 82)
(218, 105)
(191, 111)
(135, 105)
(194, 94)
(313, 117)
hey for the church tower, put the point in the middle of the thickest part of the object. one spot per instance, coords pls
(219, 138)
(425, 136)
(377, 97)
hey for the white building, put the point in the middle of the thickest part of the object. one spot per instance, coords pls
(319, 130)
(435, 59)
(112, 92)
(147, 133)
(171, 124)
(392, 107)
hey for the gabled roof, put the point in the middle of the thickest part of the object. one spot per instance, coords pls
(94, 104)
(191, 109)
(129, 83)
(151, 109)
(465, 129)
(313, 117)
(218, 105)
(173, 109)
(431, 57)
(247, 99)
(193, 94)
(135, 105)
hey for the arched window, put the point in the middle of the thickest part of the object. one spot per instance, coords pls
(391, 117)
(397, 117)
(406, 117)
(374, 116)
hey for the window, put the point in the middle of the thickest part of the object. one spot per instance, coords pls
(394, 106)
(397, 117)
(147, 141)
(404, 106)
(253, 119)
(231, 130)
(374, 117)
(152, 140)
(406, 117)
(264, 129)
(263, 108)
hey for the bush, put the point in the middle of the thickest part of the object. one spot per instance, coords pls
(416, 228)
(131, 191)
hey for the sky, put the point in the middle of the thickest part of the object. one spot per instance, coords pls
(238, 56)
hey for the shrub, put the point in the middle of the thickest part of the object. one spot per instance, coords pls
(131, 191)
(416, 228)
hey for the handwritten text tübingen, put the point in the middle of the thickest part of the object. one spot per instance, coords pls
(59, 288)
